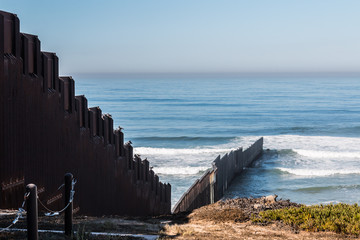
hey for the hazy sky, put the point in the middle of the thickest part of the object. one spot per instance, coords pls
(195, 36)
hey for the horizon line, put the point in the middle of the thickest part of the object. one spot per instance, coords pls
(222, 74)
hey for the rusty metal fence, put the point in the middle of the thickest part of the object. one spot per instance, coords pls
(45, 130)
(214, 182)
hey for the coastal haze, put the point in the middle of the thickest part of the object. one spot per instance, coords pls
(191, 80)
(195, 36)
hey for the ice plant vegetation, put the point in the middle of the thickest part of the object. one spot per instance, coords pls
(339, 218)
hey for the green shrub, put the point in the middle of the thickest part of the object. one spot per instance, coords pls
(340, 218)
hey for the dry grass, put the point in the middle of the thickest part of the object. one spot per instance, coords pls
(218, 215)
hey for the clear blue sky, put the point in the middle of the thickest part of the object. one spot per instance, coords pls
(195, 36)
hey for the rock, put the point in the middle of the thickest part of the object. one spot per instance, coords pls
(271, 199)
(256, 206)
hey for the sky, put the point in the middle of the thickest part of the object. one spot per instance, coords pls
(183, 36)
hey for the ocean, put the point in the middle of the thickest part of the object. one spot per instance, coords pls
(310, 125)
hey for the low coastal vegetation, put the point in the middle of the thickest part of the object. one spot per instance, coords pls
(339, 218)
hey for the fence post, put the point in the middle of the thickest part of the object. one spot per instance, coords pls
(32, 212)
(69, 209)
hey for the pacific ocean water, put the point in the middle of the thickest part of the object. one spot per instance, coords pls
(310, 125)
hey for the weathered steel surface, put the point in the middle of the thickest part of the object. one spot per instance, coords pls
(68, 181)
(32, 212)
(214, 182)
(46, 131)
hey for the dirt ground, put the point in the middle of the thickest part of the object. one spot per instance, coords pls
(83, 225)
(222, 220)
(231, 220)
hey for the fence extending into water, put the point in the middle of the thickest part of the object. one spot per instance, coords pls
(45, 130)
(215, 181)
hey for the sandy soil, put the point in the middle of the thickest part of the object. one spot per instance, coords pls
(231, 220)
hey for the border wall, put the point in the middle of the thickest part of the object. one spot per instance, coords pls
(214, 182)
(47, 131)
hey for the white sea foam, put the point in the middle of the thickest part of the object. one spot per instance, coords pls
(310, 146)
(176, 151)
(327, 154)
(327, 202)
(179, 170)
(315, 143)
(319, 172)
(175, 161)
(317, 156)
(321, 155)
